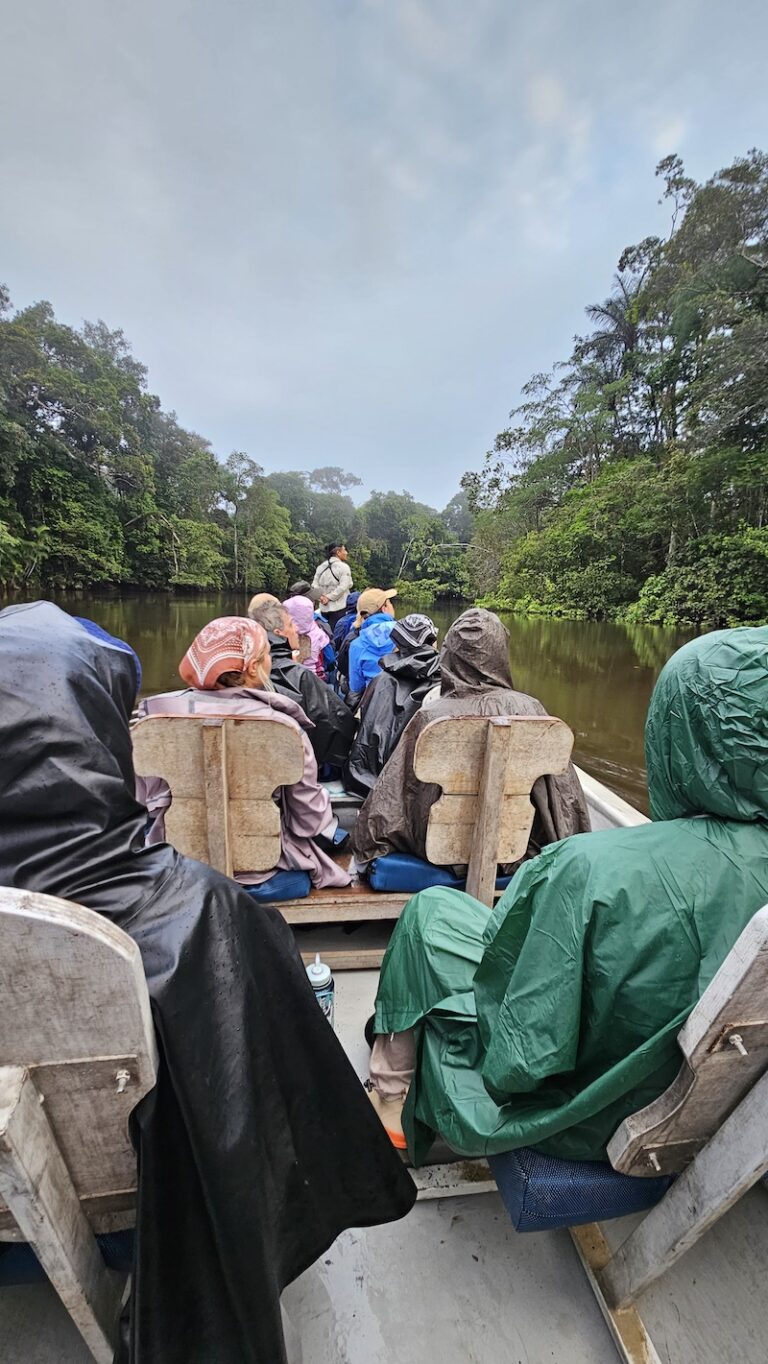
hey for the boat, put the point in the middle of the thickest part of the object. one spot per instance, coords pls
(453, 1281)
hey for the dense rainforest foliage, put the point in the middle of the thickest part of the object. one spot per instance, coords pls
(100, 487)
(633, 480)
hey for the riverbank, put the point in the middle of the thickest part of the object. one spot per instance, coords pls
(635, 614)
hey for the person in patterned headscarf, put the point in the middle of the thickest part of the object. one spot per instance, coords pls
(474, 680)
(226, 669)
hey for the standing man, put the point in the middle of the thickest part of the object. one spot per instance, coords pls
(333, 582)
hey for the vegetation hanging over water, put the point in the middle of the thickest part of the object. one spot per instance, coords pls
(633, 480)
(100, 487)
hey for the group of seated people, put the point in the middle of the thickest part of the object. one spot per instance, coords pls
(255, 666)
(542, 1022)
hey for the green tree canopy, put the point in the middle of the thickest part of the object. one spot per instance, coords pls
(634, 477)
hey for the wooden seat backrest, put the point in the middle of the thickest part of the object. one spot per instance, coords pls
(74, 1011)
(486, 766)
(725, 1050)
(223, 774)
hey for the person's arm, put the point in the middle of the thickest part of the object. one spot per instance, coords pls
(356, 677)
(317, 584)
(155, 794)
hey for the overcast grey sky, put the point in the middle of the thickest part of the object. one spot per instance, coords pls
(347, 231)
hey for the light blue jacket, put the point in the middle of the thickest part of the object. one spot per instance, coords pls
(372, 643)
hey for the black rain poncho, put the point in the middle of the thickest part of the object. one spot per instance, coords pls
(334, 723)
(549, 1020)
(388, 704)
(258, 1144)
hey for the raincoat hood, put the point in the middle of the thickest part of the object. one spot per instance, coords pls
(420, 666)
(52, 741)
(475, 655)
(378, 631)
(706, 735)
(302, 613)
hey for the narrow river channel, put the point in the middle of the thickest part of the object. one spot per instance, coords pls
(595, 675)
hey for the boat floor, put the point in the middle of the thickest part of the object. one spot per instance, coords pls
(454, 1282)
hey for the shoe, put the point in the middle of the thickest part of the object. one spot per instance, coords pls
(334, 845)
(390, 1114)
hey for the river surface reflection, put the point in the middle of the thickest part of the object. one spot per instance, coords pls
(597, 676)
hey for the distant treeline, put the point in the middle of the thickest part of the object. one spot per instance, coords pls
(633, 480)
(100, 487)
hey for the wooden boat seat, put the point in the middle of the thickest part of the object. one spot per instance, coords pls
(709, 1127)
(223, 773)
(77, 1052)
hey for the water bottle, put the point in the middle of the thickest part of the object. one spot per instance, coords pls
(322, 983)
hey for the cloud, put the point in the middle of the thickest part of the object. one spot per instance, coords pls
(670, 135)
(547, 100)
(349, 233)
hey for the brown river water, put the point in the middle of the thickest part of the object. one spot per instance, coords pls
(597, 676)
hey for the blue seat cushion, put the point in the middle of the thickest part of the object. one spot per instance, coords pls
(284, 885)
(403, 872)
(541, 1192)
(20, 1265)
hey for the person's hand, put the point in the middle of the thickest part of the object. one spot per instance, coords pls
(324, 601)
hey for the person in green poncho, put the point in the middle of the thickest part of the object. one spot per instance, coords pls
(548, 1020)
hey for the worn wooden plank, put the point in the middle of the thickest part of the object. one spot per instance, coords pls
(625, 1324)
(75, 1012)
(450, 752)
(484, 855)
(35, 1184)
(348, 959)
(453, 1179)
(731, 1162)
(259, 754)
(359, 907)
(214, 779)
(113, 1211)
(172, 748)
(452, 826)
(725, 1050)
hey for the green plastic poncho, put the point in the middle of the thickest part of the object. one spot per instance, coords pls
(548, 1020)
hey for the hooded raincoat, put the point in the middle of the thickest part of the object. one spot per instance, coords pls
(371, 644)
(388, 704)
(549, 1020)
(257, 1145)
(321, 657)
(475, 680)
